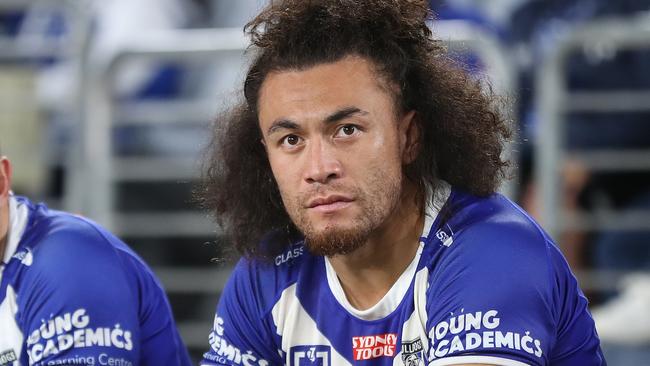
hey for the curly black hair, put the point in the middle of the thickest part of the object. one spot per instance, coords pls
(462, 131)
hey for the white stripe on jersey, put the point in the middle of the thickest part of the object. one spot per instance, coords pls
(18, 216)
(414, 327)
(296, 327)
(11, 338)
(489, 360)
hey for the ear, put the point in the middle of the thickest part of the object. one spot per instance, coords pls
(409, 131)
(5, 177)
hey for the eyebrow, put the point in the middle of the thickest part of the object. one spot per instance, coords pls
(339, 115)
(343, 114)
(282, 124)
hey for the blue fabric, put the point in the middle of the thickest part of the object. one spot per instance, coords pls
(500, 289)
(85, 298)
(540, 24)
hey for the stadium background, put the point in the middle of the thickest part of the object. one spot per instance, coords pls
(105, 109)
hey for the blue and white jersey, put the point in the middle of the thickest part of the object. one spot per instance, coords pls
(487, 286)
(73, 294)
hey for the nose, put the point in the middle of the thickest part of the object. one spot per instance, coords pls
(322, 165)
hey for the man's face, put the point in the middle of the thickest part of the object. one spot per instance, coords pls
(336, 148)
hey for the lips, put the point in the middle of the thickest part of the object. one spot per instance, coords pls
(329, 203)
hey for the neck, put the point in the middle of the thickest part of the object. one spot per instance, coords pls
(3, 244)
(368, 273)
(4, 227)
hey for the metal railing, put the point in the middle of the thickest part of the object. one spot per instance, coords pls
(102, 169)
(33, 43)
(555, 101)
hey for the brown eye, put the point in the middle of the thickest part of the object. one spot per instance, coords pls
(348, 129)
(292, 139)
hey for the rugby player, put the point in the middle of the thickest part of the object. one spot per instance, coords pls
(358, 178)
(73, 294)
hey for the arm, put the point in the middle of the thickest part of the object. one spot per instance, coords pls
(77, 303)
(89, 300)
(160, 342)
(504, 296)
(489, 300)
(241, 330)
(577, 341)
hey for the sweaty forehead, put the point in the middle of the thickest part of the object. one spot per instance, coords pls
(351, 81)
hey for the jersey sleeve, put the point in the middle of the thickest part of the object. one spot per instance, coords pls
(81, 303)
(160, 343)
(242, 330)
(577, 341)
(504, 295)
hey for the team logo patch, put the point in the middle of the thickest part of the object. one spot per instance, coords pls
(374, 346)
(25, 257)
(445, 235)
(8, 357)
(412, 353)
(310, 356)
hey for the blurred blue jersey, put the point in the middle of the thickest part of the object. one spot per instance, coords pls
(486, 286)
(73, 294)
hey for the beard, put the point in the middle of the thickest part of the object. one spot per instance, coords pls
(332, 242)
(377, 201)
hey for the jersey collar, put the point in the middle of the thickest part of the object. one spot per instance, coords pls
(18, 216)
(392, 299)
(435, 201)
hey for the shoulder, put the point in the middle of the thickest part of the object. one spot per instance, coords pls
(500, 262)
(492, 278)
(77, 277)
(243, 319)
(498, 231)
(495, 245)
(73, 260)
(61, 242)
(497, 255)
(262, 281)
